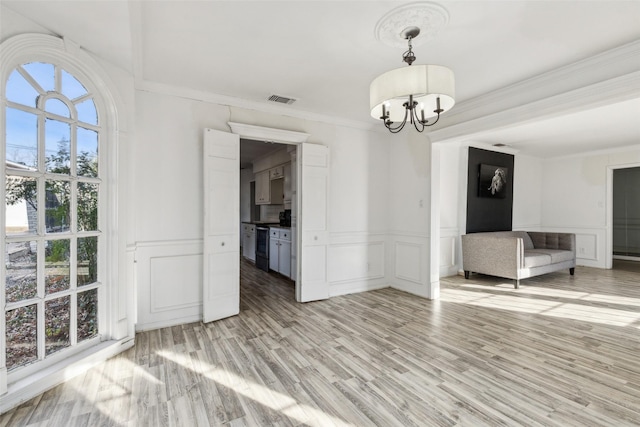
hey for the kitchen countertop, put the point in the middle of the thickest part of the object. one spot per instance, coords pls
(267, 224)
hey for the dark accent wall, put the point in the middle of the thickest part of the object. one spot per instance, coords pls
(485, 211)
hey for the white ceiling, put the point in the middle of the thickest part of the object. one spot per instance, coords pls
(324, 53)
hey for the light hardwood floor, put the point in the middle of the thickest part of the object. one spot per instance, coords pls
(559, 351)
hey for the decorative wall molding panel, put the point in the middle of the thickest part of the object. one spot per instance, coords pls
(169, 281)
(587, 247)
(408, 262)
(355, 263)
(590, 245)
(449, 245)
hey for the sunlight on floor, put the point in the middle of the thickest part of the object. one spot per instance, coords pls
(560, 293)
(114, 393)
(510, 301)
(259, 393)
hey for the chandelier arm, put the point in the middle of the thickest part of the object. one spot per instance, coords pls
(437, 118)
(398, 128)
(416, 121)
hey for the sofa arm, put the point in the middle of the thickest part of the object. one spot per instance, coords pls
(494, 255)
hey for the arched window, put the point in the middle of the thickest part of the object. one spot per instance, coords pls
(53, 197)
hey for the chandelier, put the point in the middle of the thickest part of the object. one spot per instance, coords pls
(417, 94)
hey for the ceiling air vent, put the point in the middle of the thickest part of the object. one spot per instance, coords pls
(281, 99)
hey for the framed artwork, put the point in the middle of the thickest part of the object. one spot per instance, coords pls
(493, 181)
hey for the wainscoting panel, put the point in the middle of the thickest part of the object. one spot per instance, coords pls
(356, 262)
(408, 262)
(169, 274)
(449, 248)
(590, 245)
(169, 283)
(587, 246)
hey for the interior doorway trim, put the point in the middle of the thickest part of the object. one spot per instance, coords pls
(609, 215)
(261, 133)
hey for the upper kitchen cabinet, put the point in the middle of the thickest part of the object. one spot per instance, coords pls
(263, 190)
(269, 191)
(276, 173)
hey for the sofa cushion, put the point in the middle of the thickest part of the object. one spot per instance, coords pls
(535, 258)
(557, 255)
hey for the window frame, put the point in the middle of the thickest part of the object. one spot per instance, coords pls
(114, 325)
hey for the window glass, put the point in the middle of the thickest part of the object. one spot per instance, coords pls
(22, 262)
(87, 112)
(57, 199)
(21, 205)
(21, 138)
(19, 90)
(87, 153)
(57, 146)
(71, 87)
(87, 314)
(87, 207)
(51, 254)
(57, 324)
(43, 74)
(22, 327)
(56, 266)
(87, 260)
(55, 106)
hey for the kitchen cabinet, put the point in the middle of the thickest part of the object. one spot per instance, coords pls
(269, 191)
(263, 188)
(280, 250)
(249, 241)
(276, 173)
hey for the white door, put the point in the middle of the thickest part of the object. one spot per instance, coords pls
(313, 228)
(221, 252)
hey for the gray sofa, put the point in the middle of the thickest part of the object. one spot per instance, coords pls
(518, 254)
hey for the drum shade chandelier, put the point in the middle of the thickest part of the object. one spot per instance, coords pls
(415, 93)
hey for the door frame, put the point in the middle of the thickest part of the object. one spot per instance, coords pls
(609, 214)
(280, 136)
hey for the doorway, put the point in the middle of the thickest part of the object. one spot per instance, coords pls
(309, 215)
(624, 218)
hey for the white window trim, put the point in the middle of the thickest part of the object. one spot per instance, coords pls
(26, 48)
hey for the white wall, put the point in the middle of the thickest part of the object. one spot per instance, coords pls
(452, 184)
(409, 222)
(168, 206)
(576, 199)
(527, 193)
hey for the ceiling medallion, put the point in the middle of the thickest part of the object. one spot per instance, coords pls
(428, 17)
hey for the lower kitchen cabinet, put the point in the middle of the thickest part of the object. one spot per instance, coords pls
(249, 241)
(280, 250)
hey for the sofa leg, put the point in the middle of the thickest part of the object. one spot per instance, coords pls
(516, 284)
(572, 270)
(466, 274)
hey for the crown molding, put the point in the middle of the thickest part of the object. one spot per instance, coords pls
(607, 65)
(214, 98)
(596, 95)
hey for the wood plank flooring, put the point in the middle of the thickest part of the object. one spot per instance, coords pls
(560, 351)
